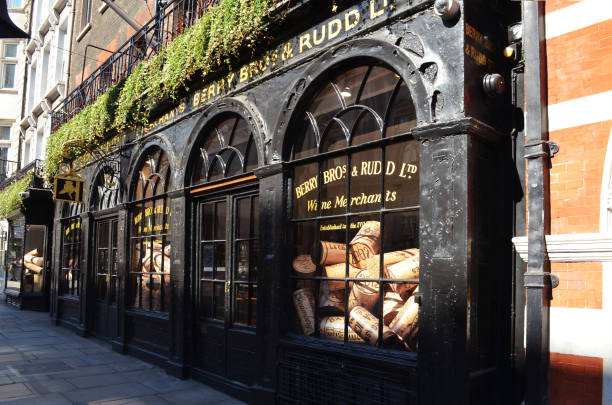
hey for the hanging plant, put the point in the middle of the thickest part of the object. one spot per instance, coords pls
(10, 198)
(216, 38)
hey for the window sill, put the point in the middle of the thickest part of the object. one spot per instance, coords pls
(83, 32)
(9, 91)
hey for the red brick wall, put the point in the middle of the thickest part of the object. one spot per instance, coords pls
(579, 63)
(575, 380)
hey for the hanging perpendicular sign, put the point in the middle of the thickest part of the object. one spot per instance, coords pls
(69, 186)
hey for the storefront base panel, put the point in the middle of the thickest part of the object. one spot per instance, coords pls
(27, 302)
(308, 377)
(69, 312)
(233, 388)
(148, 333)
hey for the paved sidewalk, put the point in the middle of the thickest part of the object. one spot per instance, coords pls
(41, 364)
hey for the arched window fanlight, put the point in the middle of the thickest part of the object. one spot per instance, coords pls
(356, 106)
(153, 175)
(106, 188)
(227, 149)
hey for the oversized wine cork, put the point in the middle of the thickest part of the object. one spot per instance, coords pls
(330, 301)
(392, 304)
(168, 250)
(365, 244)
(332, 327)
(158, 257)
(389, 259)
(406, 324)
(364, 293)
(33, 259)
(366, 326)
(33, 252)
(146, 264)
(339, 271)
(303, 301)
(32, 267)
(303, 264)
(406, 269)
(326, 253)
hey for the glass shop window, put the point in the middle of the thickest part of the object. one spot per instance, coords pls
(34, 259)
(149, 286)
(355, 212)
(70, 273)
(14, 253)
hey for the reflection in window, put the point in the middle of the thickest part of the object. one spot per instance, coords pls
(355, 214)
(150, 237)
(70, 273)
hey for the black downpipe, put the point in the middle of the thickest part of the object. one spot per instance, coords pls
(537, 278)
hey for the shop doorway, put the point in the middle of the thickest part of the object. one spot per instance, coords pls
(225, 283)
(105, 278)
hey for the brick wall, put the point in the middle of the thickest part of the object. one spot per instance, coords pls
(579, 65)
(575, 380)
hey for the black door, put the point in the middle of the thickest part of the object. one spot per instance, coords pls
(105, 279)
(226, 289)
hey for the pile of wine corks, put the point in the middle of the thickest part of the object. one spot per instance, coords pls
(33, 262)
(362, 299)
(156, 261)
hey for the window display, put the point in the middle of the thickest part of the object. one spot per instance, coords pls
(71, 248)
(14, 253)
(355, 206)
(150, 238)
(33, 259)
(70, 274)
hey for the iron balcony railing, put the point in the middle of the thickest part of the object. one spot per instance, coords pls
(13, 175)
(170, 22)
(7, 168)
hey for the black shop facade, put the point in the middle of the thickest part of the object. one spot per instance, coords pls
(324, 224)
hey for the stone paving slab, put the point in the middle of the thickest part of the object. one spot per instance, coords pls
(41, 364)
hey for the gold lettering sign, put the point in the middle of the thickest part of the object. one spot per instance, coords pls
(366, 168)
(148, 227)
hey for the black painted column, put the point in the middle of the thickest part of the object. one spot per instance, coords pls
(56, 266)
(123, 244)
(87, 281)
(442, 361)
(180, 313)
(273, 243)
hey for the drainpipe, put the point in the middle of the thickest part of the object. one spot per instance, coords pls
(538, 151)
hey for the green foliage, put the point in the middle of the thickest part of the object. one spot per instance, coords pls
(90, 125)
(10, 199)
(215, 39)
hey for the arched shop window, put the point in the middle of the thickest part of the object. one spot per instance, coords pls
(149, 282)
(228, 225)
(70, 273)
(355, 211)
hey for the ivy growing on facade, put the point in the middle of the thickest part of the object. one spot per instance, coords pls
(10, 199)
(214, 40)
